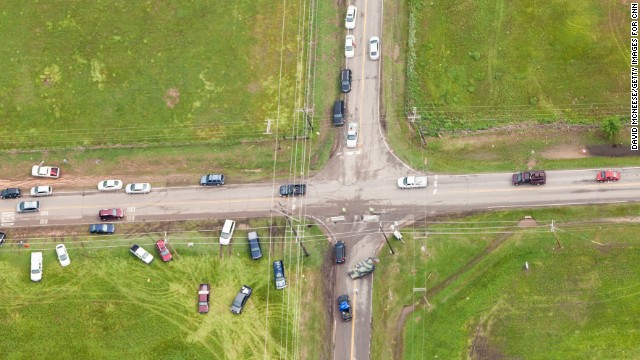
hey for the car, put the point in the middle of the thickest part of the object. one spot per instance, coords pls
(141, 253)
(412, 182)
(607, 176)
(340, 252)
(3, 238)
(138, 188)
(243, 295)
(352, 135)
(63, 256)
(110, 185)
(227, 232)
(10, 193)
(28, 206)
(107, 229)
(212, 179)
(36, 266)
(350, 20)
(344, 306)
(45, 171)
(38, 191)
(203, 298)
(111, 214)
(362, 268)
(374, 48)
(293, 190)
(338, 113)
(536, 177)
(345, 80)
(278, 275)
(350, 46)
(165, 254)
(254, 245)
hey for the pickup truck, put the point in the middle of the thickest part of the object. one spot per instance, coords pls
(352, 135)
(344, 306)
(538, 177)
(141, 253)
(45, 171)
(293, 189)
(411, 182)
(362, 268)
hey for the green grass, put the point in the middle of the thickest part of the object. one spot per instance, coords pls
(577, 302)
(107, 304)
(100, 73)
(504, 62)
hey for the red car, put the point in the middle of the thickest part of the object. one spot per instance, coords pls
(203, 299)
(111, 214)
(608, 175)
(163, 251)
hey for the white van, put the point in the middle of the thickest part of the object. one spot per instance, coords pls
(36, 266)
(227, 232)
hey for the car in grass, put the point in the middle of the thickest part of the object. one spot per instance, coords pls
(102, 229)
(3, 238)
(345, 80)
(350, 46)
(36, 266)
(141, 253)
(63, 255)
(227, 232)
(45, 171)
(608, 176)
(38, 191)
(165, 254)
(111, 214)
(340, 252)
(243, 295)
(254, 245)
(28, 207)
(374, 48)
(204, 291)
(278, 275)
(110, 185)
(138, 188)
(10, 193)
(212, 180)
(350, 19)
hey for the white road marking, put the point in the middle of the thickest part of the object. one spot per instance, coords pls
(347, 153)
(44, 213)
(435, 183)
(131, 217)
(44, 221)
(7, 218)
(131, 209)
(435, 191)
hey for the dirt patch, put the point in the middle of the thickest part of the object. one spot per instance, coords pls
(253, 88)
(565, 152)
(617, 150)
(527, 222)
(172, 97)
(483, 350)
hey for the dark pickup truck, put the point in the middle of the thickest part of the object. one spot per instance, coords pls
(345, 307)
(538, 177)
(293, 189)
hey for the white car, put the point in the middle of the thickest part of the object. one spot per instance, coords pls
(141, 253)
(352, 135)
(63, 256)
(350, 46)
(110, 185)
(374, 48)
(227, 232)
(138, 188)
(350, 20)
(41, 191)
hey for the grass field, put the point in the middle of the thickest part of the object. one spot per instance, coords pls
(503, 62)
(107, 304)
(102, 73)
(576, 302)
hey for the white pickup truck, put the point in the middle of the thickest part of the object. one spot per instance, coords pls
(45, 171)
(410, 182)
(141, 253)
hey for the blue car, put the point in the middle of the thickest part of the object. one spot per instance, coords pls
(102, 229)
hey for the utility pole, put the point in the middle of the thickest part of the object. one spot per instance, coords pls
(268, 132)
(288, 217)
(386, 239)
(553, 230)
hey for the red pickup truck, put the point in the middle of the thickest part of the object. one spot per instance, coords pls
(537, 177)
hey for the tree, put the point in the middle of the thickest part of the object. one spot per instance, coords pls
(611, 127)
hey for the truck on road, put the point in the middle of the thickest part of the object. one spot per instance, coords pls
(538, 177)
(362, 268)
(344, 306)
(412, 182)
(293, 190)
(45, 171)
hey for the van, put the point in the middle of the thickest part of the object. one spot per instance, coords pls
(28, 206)
(278, 275)
(36, 266)
(338, 113)
(227, 232)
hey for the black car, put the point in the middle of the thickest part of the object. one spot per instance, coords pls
(212, 179)
(241, 299)
(2, 238)
(10, 193)
(340, 251)
(102, 229)
(345, 80)
(338, 113)
(254, 245)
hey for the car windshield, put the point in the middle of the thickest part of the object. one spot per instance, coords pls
(349, 47)
(35, 271)
(63, 257)
(164, 252)
(351, 137)
(224, 235)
